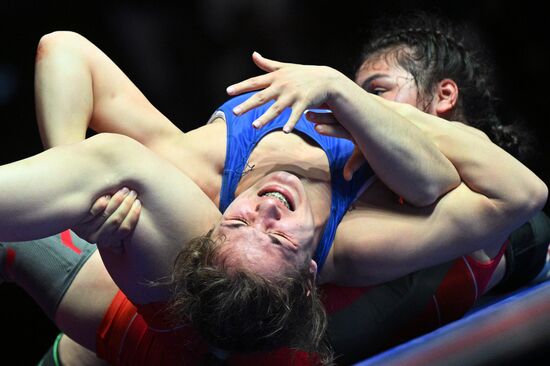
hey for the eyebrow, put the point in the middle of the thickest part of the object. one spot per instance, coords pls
(368, 80)
(272, 237)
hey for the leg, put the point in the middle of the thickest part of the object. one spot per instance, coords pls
(81, 310)
(66, 277)
(66, 352)
(45, 268)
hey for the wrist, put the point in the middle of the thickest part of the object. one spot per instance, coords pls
(337, 86)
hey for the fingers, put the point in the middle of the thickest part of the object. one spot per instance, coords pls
(113, 235)
(266, 64)
(325, 117)
(353, 164)
(97, 207)
(113, 220)
(297, 111)
(119, 223)
(254, 83)
(256, 100)
(334, 130)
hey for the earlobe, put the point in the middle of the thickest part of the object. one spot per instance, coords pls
(313, 268)
(447, 97)
(313, 276)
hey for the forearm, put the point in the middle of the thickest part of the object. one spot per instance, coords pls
(78, 87)
(513, 189)
(400, 153)
(49, 192)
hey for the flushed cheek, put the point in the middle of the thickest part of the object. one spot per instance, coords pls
(405, 98)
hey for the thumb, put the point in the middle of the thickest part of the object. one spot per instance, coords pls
(353, 164)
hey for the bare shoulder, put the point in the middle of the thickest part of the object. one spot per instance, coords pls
(199, 153)
(375, 238)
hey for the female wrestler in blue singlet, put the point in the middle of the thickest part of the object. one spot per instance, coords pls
(400, 163)
(242, 138)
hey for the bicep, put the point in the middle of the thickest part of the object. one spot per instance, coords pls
(383, 243)
(54, 190)
(174, 210)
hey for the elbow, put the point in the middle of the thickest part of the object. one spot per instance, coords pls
(432, 191)
(424, 198)
(531, 201)
(56, 37)
(539, 196)
(54, 40)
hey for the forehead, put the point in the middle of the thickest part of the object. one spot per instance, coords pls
(383, 63)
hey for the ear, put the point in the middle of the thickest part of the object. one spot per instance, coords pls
(446, 97)
(313, 275)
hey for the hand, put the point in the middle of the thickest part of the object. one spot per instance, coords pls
(111, 220)
(291, 85)
(327, 124)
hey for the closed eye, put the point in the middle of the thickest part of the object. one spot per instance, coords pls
(239, 222)
(275, 240)
(236, 223)
(377, 91)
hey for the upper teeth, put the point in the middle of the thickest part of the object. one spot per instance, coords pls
(278, 196)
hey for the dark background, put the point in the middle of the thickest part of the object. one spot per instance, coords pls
(184, 56)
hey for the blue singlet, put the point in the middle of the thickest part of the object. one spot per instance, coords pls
(242, 137)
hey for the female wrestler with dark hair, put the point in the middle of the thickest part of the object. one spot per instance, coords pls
(376, 190)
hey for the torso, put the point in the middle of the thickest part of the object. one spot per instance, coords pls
(201, 155)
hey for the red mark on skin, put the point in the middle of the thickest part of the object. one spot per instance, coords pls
(67, 240)
(40, 52)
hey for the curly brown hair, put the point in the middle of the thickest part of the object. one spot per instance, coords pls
(431, 48)
(238, 310)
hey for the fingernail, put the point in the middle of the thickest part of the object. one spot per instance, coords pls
(124, 191)
(230, 89)
(132, 193)
(286, 129)
(107, 196)
(237, 110)
(256, 124)
(319, 128)
(257, 53)
(137, 203)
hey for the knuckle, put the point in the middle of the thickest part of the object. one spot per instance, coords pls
(115, 221)
(124, 229)
(260, 97)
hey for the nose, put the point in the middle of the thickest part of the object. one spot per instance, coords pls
(268, 208)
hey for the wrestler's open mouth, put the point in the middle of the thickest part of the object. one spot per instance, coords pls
(280, 195)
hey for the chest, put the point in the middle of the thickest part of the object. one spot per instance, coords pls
(202, 152)
(293, 153)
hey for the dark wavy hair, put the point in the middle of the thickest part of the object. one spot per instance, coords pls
(238, 310)
(432, 48)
